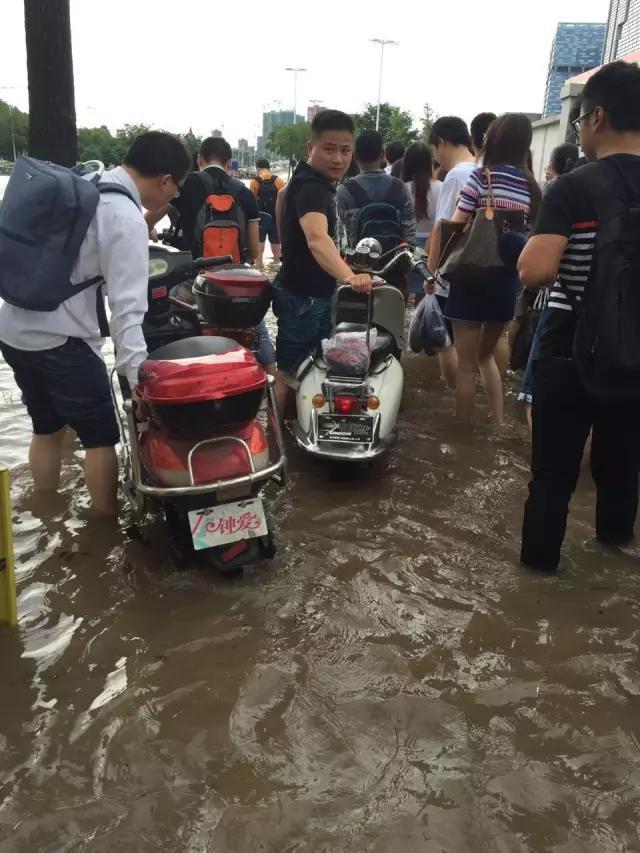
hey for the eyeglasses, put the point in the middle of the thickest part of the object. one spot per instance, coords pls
(577, 123)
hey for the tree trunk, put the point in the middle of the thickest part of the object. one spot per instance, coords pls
(52, 110)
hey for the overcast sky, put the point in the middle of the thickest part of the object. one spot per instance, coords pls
(181, 63)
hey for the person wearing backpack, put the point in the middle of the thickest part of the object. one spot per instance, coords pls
(265, 188)
(218, 215)
(586, 245)
(374, 204)
(53, 273)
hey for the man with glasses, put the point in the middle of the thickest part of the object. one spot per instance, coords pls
(55, 355)
(561, 254)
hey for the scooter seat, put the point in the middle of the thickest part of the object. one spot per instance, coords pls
(384, 345)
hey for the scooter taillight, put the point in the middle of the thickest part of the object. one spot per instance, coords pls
(346, 404)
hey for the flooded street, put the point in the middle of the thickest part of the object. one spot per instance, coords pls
(392, 682)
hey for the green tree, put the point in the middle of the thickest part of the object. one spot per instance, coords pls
(291, 140)
(395, 123)
(427, 121)
(12, 117)
(97, 143)
(190, 141)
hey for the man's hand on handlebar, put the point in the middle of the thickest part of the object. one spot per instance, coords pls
(360, 281)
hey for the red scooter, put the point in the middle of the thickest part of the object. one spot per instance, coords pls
(202, 433)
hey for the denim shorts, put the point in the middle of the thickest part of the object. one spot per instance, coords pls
(303, 321)
(66, 386)
(268, 227)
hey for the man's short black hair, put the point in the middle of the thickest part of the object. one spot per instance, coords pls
(215, 149)
(158, 153)
(369, 146)
(331, 120)
(450, 129)
(394, 151)
(615, 88)
(262, 163)
(479, 127)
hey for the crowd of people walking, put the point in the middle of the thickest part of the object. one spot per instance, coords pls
(436, 193)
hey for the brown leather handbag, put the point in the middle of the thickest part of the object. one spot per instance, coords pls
(470, 251)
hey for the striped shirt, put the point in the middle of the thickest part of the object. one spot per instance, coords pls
(575, 267)
(510, 190)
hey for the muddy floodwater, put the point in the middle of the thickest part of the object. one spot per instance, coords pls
(392, 682)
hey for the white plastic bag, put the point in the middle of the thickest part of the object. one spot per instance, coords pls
(347, 353)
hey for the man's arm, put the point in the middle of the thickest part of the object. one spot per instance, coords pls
(152, 217)
(541, 258)
(124, 263)
(316, 230)
(253, 240)
(279, 205)
(252, 217)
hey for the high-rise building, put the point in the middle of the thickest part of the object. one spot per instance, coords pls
(216, 132)
(313, 110)
(243, 144)
(576, 48)
(277, 118)
(623, 29)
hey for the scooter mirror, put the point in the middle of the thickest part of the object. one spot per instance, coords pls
(369, 246)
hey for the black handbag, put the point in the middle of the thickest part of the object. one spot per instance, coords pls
(471, 251)
(527, 325)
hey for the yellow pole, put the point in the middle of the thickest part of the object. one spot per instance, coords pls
(8, 609)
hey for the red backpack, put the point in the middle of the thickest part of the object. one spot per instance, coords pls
(221, 225)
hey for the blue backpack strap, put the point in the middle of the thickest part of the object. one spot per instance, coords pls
(104, 188)
(358, 194)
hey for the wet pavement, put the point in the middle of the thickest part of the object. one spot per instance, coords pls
(392, 682)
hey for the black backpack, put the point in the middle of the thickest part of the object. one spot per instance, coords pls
(267, 194)
(379, 219)
(606, 345)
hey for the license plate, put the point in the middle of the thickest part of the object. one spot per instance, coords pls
(352, 429)
(221, 525)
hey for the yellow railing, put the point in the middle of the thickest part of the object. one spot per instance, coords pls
(8, 609)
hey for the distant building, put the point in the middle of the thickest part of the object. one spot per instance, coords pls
(313, 110)
(576, 48)
(243, 144)
(277, 118)
(623, 29)
(216, 132)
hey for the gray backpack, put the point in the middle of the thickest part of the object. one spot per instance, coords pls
(44, 217)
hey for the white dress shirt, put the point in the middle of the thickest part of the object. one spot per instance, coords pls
(117, 248)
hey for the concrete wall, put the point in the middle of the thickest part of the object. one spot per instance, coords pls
(545, 139)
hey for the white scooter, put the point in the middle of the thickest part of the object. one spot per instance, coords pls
(352, 418)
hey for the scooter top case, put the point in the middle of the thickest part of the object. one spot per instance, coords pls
(234, 296)
(199, 384)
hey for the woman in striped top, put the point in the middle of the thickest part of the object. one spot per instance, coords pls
(481, 312)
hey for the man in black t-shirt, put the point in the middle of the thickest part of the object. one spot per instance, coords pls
(214, 159)
(560, 253)
(311, 263)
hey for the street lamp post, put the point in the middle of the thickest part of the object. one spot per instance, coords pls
(382, 43)
(295, 89)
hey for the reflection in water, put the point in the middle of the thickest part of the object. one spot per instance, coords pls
(393, 681)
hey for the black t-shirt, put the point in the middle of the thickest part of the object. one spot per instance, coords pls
(193, 195)
(569, 209)
(307, 192)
